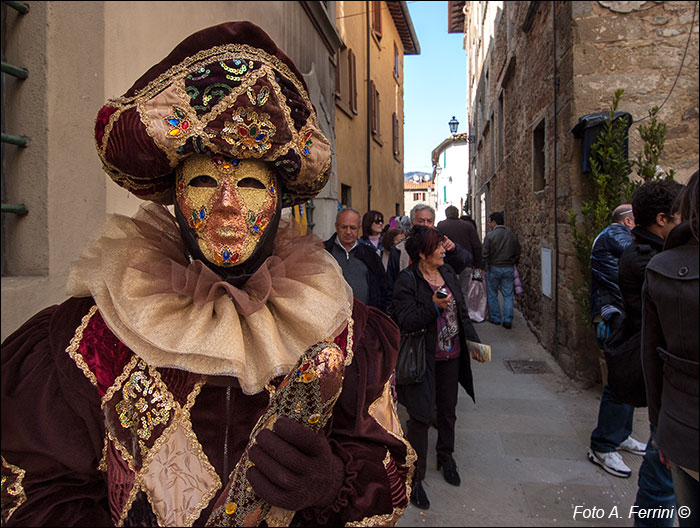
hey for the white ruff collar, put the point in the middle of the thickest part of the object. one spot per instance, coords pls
(177, 314)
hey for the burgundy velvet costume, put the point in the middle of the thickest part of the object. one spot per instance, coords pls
(54, 429)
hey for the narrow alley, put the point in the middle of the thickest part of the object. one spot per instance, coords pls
(521, 450)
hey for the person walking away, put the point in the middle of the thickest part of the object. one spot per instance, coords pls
(670, 348)
(361, 266)
(464, 234)
(652, 206)
(500, 251)
(417, 305)
(613, 430)
(372, 228)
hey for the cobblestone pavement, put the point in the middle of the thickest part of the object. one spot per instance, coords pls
(521, 449)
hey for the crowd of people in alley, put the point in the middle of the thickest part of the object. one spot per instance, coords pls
(213, 366)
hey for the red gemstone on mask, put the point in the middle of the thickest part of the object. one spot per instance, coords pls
(243, 131)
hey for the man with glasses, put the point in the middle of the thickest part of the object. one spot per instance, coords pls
(362, 267)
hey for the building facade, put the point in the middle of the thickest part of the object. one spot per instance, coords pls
(450, 162)
(369, 104)
(415, 192)
(534, 69)
(77, 55)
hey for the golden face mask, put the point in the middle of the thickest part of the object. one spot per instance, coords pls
(228, 204)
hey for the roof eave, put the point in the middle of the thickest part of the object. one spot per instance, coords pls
(402, 20)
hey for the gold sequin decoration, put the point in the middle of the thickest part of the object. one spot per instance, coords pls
(12, 485)
(143, 405)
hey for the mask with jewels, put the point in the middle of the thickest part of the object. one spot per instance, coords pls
(228, 205)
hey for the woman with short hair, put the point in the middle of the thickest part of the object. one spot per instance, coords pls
(419, 304)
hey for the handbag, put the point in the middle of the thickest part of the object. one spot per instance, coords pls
(516, 281)
(476, 298)
(411, 363)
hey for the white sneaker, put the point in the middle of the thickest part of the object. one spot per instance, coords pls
(610, 462)
(633, 446)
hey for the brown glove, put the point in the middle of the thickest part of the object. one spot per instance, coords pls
(294, 467)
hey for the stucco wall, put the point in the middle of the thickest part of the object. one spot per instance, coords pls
(386, 172)
(56, 107)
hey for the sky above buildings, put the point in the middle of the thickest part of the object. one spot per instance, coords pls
(435, 85)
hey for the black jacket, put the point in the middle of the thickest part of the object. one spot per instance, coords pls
(631, 268)
(670, 346)
(413, 310)
(379, 294)
(464, 234)
(605, 254)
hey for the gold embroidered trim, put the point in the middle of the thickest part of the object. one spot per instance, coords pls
(222, 53)
(388, 519)
(198, 450)
(130, 500)
(15, 488)
(102, 466)
(411, 456)
(72, 348)
(149, 457)
(349, 346)
(181, 418)
(118, 382)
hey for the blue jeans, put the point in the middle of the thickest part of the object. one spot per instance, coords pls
(614, 423)
(655, 488)
(686, 488)
(500, 277)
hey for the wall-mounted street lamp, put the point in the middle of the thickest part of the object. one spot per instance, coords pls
(453, 125)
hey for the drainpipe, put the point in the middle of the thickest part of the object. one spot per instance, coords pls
(556, 198)
(369, 110)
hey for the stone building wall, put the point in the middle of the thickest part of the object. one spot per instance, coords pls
(600, 46)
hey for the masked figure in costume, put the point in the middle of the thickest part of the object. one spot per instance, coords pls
(210, 367)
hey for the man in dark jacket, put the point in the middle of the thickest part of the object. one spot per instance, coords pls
(463, 233)
(614, 427)
(362, 268)
(501, 251)
(652, 207)
(670, 351)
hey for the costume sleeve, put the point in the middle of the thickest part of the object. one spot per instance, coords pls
(364, 432)
(652, 364)
(51, 425)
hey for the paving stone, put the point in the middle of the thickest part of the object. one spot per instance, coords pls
(545, 446)
(597, 506)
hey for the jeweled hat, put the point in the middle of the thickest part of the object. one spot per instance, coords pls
(227, 89)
